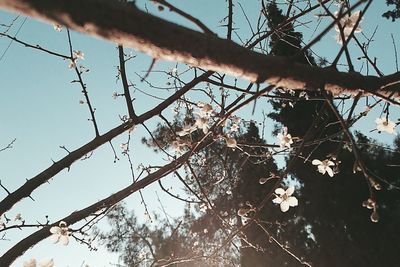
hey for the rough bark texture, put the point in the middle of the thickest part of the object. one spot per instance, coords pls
(127, 25)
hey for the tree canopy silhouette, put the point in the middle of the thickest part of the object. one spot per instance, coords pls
(328, 228)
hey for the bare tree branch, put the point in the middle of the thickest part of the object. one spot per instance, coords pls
(127, 25)
(25, 190)
(76, 216)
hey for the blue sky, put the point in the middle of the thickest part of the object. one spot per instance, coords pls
(40, 108)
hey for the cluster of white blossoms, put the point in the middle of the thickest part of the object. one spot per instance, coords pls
(324, 166)
(45, 262)
(385, 125)
(285, 199)
(203, 207)
(233, 128)
(204, 116)
(77, 54)
(60, 233)
(347, 23)
(202, 121)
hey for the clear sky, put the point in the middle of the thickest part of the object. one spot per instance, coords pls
(39, 106)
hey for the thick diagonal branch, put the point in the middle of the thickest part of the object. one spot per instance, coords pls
(127, 25)
(9, 257)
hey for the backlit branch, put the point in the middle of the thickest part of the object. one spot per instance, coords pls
(131, 27)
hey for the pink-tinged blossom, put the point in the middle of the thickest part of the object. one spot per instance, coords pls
(60, 233)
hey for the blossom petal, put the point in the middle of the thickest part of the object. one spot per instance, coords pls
(277, 200)
(279, 191)
(284, 206)
(290, 191)
(55, 238)
(55, 230)
(292, 201)
(322, 169)
(316, 162)
(329, 171)
(64, 240)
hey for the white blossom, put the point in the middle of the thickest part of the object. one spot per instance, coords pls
(285, 198)
(203, 207)
(79, 54)
(174, 71)
(285, 139)
(60, 233)
(234, 127)
(385, 125)
(324, 166)
(242, 212)
(202, 123)
(18, 217)
(124, 147)
(205, 109)
(57, 27)
(114, 95)
(72, 64)
(347, 23)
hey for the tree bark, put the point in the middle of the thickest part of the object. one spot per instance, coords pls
(126, 25)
